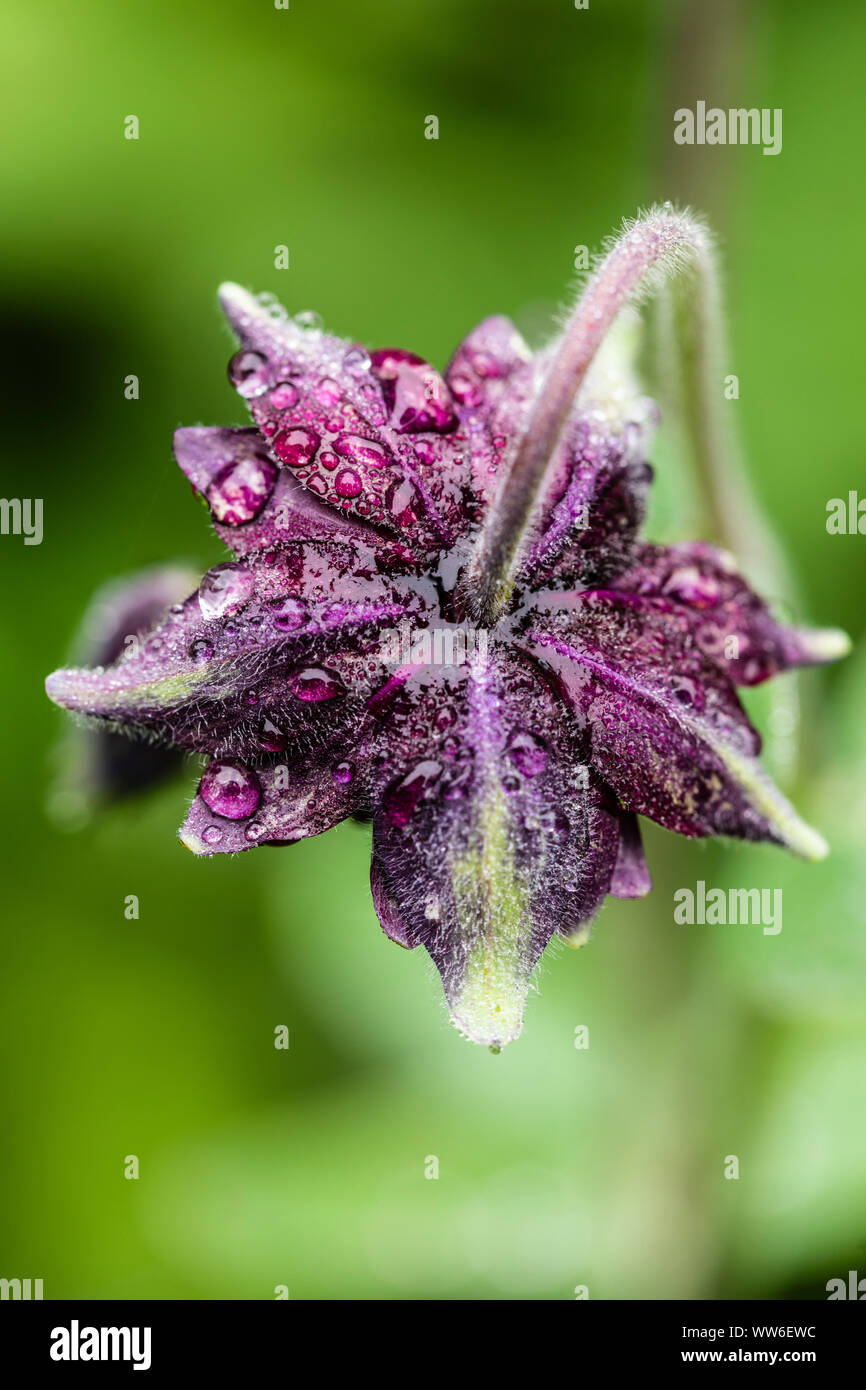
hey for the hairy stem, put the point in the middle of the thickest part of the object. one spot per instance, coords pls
(657, 243)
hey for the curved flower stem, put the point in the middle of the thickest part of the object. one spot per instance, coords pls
(656, 244)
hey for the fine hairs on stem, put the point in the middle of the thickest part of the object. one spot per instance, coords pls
(649, 250)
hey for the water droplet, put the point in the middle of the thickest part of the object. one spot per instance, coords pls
(344, 772)
(254, 831)
(328, 393)
(211, 834)
(289, 613)
(361, 450)
(347, 483)
(328, 460)
(403, 503)
(230, 789)
(466, 390)
(690, 586)
(248, 373)
(283, 396)
(415, 393)
(357, 361)
(314, 684)
(556, 823)
(687, 692)
(403, 795)
(241, 489)
(270, 738)
(296, 447)
(201, 650)
(528, 753)
(309, 321)
(225, 589)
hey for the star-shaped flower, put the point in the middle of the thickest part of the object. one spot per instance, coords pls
(439, 616)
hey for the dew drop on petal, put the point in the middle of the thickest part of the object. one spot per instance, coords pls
(314, 684)
(225, 589)
(415, 393)
(200, 650)
(343, 772)
(356, 361)
(248, 373)
(296, 447)
(444, 718)
(270, 738)
(528, 753)
(360, 450)
(402, 503)
(328, 393)
(211, 834)
(690, 586)
(254, 831)
(230, 790)
(347, 483)
(289, 614)
(309, 320)
(283, 396)
(241, 489)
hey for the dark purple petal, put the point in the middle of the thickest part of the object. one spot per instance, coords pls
(631, 877)
(725, 616)
(492, 378)
(481, 373)
(238, 807)
(288, 512)
(390, 920)
(353, 430)
(283, 651)
(665, 729)
(591, 534)
(487, 832)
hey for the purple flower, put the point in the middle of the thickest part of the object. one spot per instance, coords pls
(439, 616)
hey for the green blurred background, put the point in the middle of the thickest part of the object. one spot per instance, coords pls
(557, 1167)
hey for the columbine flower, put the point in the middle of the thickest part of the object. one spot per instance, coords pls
(502, 498)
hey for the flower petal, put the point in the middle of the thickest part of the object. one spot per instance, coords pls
(281, 802)
(257, 505)
(372, 436)
(280, 652)
(631, 876)
(667, 732)
(724, 615)
(486, 832)
(390, 919)
(492, 376)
